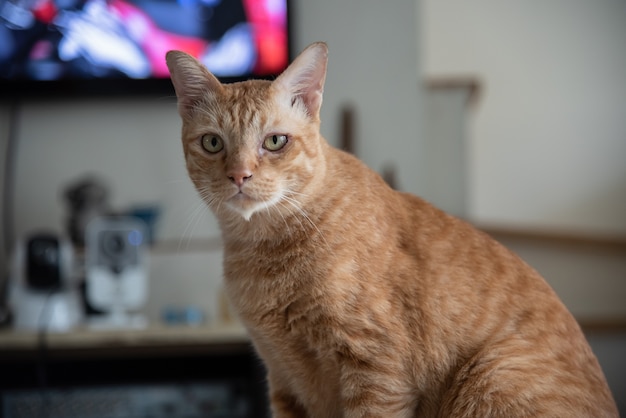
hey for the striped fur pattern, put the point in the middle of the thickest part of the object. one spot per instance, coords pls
(363, 301)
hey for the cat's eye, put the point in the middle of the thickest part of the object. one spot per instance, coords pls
(212, 143)
(275, 142)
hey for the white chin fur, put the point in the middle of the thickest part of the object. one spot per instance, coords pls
(245, 213)
(250, 209)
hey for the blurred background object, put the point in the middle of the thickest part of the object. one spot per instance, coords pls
(87, 198)
(44, 294)
(116, 270)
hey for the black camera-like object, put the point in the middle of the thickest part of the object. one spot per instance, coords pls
(43, 291)
(44, 265)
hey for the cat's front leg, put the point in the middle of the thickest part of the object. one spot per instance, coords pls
(283, 401)
(374, 389)
(285, 405)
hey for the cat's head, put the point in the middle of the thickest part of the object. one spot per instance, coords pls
(252, 146)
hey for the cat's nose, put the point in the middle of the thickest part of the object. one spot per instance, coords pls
(239, 177)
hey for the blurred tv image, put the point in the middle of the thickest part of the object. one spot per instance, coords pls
(111, 39)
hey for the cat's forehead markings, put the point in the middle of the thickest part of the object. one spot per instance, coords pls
(244, 107)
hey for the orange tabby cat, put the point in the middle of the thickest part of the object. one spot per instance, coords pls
(363, 301)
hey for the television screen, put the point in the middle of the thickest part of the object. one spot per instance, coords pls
(83, 44)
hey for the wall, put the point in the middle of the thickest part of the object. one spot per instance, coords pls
(447, 113)
(548, 142)
(373, 67)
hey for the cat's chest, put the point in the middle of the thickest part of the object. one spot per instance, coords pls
(273, 296)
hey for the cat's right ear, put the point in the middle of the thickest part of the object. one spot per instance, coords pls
(304, 78)
(192, 81)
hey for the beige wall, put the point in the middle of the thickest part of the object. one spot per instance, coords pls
(548, 139)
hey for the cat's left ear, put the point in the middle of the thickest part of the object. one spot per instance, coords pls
(304, 78)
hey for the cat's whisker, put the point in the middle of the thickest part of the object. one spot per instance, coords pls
(218, 207)
(283, 202)
(200, 210)
(268, 208)
(192, 222)
(296, 205)
(190, 212)
(294, 193)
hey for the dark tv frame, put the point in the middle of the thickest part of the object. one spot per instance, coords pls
(116, 87)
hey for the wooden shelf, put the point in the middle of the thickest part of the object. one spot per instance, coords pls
(604, 242)
(154, 340)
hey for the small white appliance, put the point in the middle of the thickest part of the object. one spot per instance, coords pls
(43, 293)
(116, 271)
